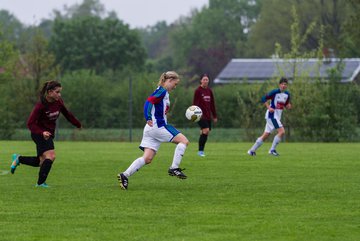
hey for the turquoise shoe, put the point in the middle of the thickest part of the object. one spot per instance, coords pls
(44, 185)
(14, 163)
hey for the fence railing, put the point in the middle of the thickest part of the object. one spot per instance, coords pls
(216, 135)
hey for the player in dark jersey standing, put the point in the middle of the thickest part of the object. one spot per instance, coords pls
(42, 124)
(204, 98)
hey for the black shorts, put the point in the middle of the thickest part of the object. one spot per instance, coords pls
(204, 124)
(42, 145)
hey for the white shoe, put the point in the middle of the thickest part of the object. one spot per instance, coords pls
(274, 153)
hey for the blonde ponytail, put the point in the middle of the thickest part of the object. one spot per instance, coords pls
(167, 75)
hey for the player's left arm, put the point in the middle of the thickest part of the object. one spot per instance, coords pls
(288, 103)
(213, 108)
(69, 116)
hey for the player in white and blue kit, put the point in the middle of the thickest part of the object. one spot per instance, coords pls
(157, 130)
(279, 99)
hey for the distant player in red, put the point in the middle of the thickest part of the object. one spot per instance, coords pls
(204, 98)
(42, 124)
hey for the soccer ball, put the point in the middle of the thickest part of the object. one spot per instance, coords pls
(193, 113)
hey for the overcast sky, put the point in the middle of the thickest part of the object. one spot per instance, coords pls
(136, 13)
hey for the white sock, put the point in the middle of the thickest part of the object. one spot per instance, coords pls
(257, 144)
(179, 152)
(134, 167)
(276, 141)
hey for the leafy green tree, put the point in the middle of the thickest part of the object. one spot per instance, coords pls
(317, 114)
(100, 102)
(86, 96)
(97, 44)
(351, 37)
(244, 11)
(341, 114)
(84, 9)
(205, 46)
(83, 38)
(39, 62)
(46, 27)
(156, 40)
(10, 26)
(32, 68)
(272, 25)
(7, 68)
(212, 36)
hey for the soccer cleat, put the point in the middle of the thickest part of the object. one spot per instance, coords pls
(15, 162)
(274, 153)
(43, 185)
(201, 153)
(251, 153)
(177, 172)
(123, 181)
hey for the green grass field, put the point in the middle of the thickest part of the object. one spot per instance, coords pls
(310, 192)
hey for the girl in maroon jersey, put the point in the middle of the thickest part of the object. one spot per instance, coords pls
(204, 98)
(42, 124)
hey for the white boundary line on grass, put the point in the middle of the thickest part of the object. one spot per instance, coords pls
(3, 173)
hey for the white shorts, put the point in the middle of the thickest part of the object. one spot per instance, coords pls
(272, 124)
(154, 136)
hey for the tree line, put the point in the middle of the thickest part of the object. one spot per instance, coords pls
(96, 56)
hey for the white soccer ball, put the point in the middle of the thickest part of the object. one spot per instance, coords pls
(193, 113)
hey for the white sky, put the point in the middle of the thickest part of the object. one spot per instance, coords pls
(136, 13)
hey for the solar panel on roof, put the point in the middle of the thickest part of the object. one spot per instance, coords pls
(265, 69)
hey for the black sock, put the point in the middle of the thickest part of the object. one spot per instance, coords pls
(30, 160)
(202, 141)
(44, 171)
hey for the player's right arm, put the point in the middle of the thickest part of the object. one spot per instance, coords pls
(153, 99)
(271, 110)
(147, 110)
(269, 96)
(197, 98)
(32, 122)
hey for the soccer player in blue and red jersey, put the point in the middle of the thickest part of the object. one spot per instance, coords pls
(279, 99)
(204, 98)
(42, 124)
(157, 130)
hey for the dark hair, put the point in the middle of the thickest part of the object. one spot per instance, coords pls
(48, 85)
(204, 75)
(283, 80)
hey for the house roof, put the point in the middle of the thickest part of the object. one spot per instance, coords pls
(260, 70)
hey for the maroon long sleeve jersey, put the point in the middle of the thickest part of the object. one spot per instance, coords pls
(204, 98)
(43, 117)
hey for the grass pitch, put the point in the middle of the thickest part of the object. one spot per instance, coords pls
(310, 192)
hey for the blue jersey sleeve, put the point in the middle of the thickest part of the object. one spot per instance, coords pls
(270, 95)
(147, 110)
(153, 99)
(288, 99)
